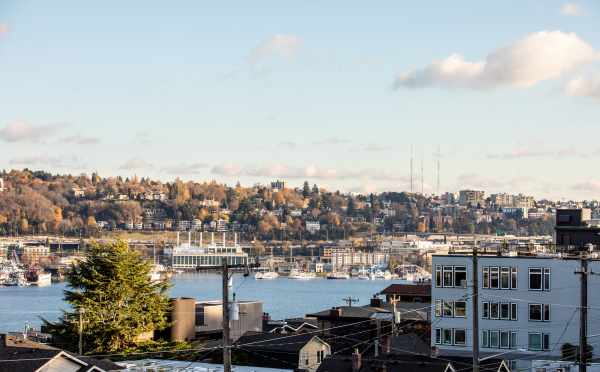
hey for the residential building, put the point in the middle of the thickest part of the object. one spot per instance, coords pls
(502, 200)
(1, 185)
(527, 303)
(574, 229)
(313, 227)
(18, 353)
(189, 256)
(471, 198)
(408, 293)
(305, 352)
(78, 192)
(153, 365)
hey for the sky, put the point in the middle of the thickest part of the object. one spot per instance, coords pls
(504, 95)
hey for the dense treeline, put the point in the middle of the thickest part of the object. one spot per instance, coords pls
(40, 202)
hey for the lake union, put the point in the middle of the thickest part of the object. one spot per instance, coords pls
(282, 297)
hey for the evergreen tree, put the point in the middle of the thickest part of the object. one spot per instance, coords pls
(306, 190)
(116, 299)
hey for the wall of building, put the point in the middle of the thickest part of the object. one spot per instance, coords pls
(562, 296)
(309, 355)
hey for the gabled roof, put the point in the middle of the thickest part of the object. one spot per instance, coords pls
(359, 312)
(269, 341)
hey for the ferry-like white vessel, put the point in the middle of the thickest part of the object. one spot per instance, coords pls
(338, 275)
(267, 275)
(301, 275)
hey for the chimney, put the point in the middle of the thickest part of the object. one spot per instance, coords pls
(335, 312)
(376, 302)
(266, 317)
(356, 361)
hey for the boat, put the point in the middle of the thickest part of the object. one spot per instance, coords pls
(42, 279)
(267, 275)
(383, 275)
(17, 279)
(363, 274)
(301, 275)
(338, 275)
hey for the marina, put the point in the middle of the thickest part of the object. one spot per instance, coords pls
(20, 305)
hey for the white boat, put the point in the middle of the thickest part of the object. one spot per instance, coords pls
(301, 275)
(338, 275)
(267, 275)
(363, 274)
(43, 279)
(383, 275)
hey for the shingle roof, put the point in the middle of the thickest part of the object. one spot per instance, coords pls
(269, 341)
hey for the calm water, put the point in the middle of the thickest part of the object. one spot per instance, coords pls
(282, 298)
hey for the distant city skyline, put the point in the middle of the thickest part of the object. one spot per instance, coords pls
(336, 93)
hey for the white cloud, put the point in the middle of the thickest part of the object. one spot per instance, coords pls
(584, 86)
(135, 163)
(332, 141)
(183, 169)
(280, 45)
(20, 131)
(63, 161)
(540, 56)
(307, 172)
(534, 151)
(571, 9)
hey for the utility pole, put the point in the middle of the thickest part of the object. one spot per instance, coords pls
(475, 311)
(583, 312)
(226, 338)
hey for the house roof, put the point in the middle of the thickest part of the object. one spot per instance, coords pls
(408, 290)
(360, 312)
(269, 341)
(20, 354)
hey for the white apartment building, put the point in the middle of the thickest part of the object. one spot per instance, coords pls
(529, 304)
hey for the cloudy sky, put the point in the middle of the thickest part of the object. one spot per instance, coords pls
(505, 94)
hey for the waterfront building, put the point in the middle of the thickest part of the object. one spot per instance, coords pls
(471, 198)
(313, 227)
(191, 256)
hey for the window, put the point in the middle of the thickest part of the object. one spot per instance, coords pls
(438, 308)
(505, 278)
(320, 356)
(460, 337)
(460, 309)
(486, 277)
(505, 311)
(539, 341)
(438, 336)
(485, 342)
(200, 316)
(494, 310)
(504, 339)
(448, 274)
(486, 310)
(460, 276)
(438, 276)
(546, 279)
(535, 279)
(513, 340)
(494, 280)
(513, 277)
(513, 311)
(546, 309)
(448, 309)
(494, 339)
(447, 336)
(535, 312)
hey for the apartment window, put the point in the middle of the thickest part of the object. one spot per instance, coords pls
(438, 308)
(504, 339)
(486, 310)
(539, 279)
(494, 278)
(513, 311)
(546, 279)
(460, 276)
(438, 276)
(505, 311)
(447, 336)
(438, 336)
(539, 341)
(513, 340)
(448, 309)
(505, 278)
(460, 337)
(486, 277)
(539, 312)
(460, 309)
(513, 277)
(485, 341)
(494, 310)
(494, 339)
(448, 271)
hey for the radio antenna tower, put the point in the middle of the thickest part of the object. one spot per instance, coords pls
(411, 168)
(438, 160)
(422, 172)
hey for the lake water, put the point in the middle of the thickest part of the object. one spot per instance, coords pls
(282, 297)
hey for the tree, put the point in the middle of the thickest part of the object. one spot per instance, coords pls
(117, 301)
(306, 190)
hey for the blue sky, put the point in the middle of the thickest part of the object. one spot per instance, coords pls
(335, 93)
